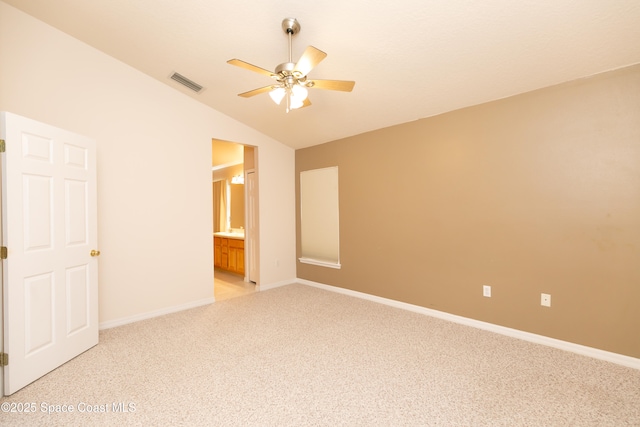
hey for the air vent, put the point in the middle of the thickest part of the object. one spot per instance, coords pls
(186, 82)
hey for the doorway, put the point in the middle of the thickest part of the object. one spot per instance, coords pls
(235, 219)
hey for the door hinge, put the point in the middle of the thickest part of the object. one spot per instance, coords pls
(4, 359)
(4, 252)
(3, 146)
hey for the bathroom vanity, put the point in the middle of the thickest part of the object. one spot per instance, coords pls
(228, 251)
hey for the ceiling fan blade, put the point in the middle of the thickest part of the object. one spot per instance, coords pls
(343, 85)
(255, 92)
(306, 103)
(309, 59)
(250, 67)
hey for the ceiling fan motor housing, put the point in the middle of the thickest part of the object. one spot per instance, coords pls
(285, 69)
(286, 75)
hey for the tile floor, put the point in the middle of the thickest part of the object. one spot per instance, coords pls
(229, 285)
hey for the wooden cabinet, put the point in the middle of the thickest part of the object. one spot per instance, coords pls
(217, 252)
(228, 254)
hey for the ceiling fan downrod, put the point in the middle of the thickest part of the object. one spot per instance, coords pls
(291, 27)
(290, 33)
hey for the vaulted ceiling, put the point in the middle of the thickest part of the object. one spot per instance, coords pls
(410, 59)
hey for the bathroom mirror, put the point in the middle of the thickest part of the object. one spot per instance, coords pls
(220, 215)
(228, 206)
(236, 202)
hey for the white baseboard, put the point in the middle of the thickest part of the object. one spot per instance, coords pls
(151, 314)
(595, 353)
(277, 284)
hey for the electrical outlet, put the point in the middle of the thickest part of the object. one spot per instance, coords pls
(545, 300)
(486, 291)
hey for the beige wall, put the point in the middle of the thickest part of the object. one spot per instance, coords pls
(154, 168)
(535, 193)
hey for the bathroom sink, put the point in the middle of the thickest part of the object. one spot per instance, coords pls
(234, 235)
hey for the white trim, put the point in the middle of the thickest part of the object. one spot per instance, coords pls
(320, 263)
(151, 314)
(620, 359)
(276, 285)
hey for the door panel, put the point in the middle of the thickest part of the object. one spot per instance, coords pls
(77, 294)
(76, 212)
(49, 227)
(38, 200)
(38, 312)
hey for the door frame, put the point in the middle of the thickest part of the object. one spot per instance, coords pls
(254, 169)
(248, 228)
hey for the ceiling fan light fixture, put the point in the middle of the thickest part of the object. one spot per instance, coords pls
(295, 103)
(277, 94)
(299, 92)
(297, 95)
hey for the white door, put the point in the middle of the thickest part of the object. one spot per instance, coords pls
(50, 276)
(252, 225)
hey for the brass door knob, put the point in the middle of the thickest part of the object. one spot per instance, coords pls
(95, 253)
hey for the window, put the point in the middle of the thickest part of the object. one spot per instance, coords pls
(319, 217)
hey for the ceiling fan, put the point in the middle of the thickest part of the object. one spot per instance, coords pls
(291, 78)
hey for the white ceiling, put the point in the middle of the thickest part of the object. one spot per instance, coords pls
(410, 58)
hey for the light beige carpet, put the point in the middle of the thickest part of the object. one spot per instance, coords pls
(301, 356)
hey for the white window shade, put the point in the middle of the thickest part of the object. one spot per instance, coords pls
(319, 217)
